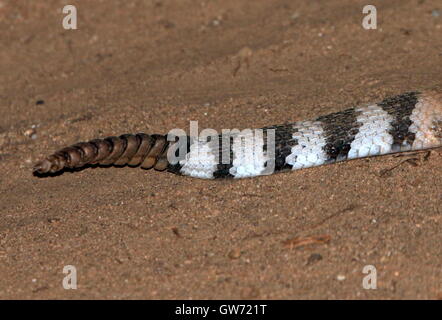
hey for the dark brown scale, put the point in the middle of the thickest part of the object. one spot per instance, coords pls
(73, 156)
(132, 144)
(89, 151)
(149, 151)
(157, 149)
(162, 162)
(146, 142)
(104, 148)
(118, 147)
(59, 161)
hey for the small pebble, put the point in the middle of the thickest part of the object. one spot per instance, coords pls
(31, 133)
(295, 16)
(93, 39)
(245, 52)
(340, 277)
(435, 13)
(234, 253)
(39, 102)
(314, 257)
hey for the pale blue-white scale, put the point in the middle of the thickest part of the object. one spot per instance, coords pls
(310, 141)
(373, 137)
(249, 157)
(201, 161)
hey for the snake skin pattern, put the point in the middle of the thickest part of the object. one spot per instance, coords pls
(410, 121)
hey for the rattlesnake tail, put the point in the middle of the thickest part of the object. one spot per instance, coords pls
(147, 151)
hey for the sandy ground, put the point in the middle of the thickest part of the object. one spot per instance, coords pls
(150, 66)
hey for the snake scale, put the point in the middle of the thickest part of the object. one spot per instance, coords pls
(409, 121)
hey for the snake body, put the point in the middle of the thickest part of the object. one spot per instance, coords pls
(409, 121)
